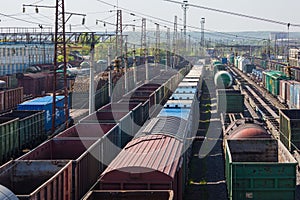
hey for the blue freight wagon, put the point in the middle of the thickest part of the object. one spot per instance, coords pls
(45, 103)
(224, 61)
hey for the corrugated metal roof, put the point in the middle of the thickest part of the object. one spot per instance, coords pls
(179, 96)
(42, 100)
(165, 125)
(190, 79)
(188, 84)
(147, 154)
(175, 112)
(185, 90)
(6, 194)
(182, 103)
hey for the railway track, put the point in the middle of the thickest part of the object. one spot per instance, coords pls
(266, 106)
(206, 169)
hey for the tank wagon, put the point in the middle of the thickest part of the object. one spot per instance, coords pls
(223, 79)
(157, 157)
(257, 165)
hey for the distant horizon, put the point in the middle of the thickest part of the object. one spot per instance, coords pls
(159, 11)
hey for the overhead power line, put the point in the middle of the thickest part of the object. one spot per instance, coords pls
(238, 14)
(170, 23)
(23, 20)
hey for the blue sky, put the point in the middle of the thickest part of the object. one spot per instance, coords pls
(285, 11)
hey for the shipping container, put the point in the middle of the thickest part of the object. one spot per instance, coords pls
(230, 101)
(31, 180)
(9, 134)
(259, 169)
(31, 129)
(46, 103)
(289, 126)
(130, 194)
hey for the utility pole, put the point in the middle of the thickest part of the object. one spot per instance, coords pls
(184, 7)
(119, 36)
(189, 44)
(60, 49)
(91, 88)
(168, 49)
(109, 74)
(174, 42)
(157, 44)
(126, 66)
(144, 47)
(288, 44)
(202, 31)
(134, 65)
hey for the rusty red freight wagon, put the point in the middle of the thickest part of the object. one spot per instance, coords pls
(84, 156)
(88, 130)
(152, 162)
(31, 180)
(9, 99)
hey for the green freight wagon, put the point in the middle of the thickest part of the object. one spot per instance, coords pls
(263, 64)
(9, 142)
(272, 81)
(259, 169)
(289, 127)
(230, 101)
(31, 125)
(231, 59)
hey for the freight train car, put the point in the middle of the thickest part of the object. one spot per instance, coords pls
(90, 146)
(257, 165)
(20, 130)
(10, 98)
(259, 169)
(157, 158)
